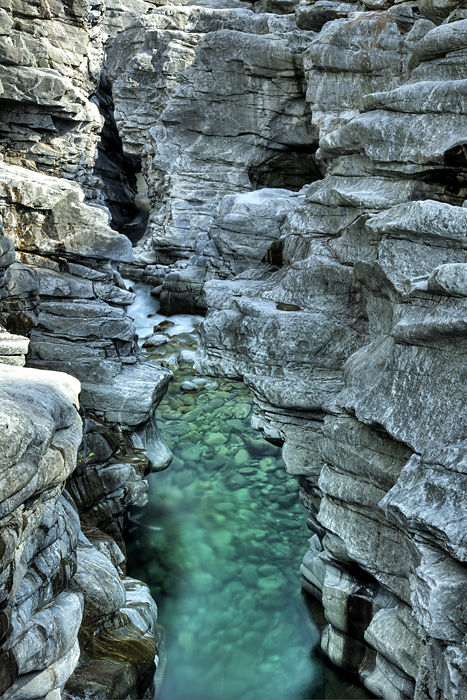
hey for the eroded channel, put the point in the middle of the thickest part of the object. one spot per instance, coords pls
(219, 542)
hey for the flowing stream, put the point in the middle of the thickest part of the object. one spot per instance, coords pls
(221, 540)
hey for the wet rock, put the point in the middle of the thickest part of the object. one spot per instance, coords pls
(267, 464)
(189, 386)
(215, 439)
(155, 340)
(261, 447)
(242, 457)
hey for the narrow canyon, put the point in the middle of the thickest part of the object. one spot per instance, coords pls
(233, 290)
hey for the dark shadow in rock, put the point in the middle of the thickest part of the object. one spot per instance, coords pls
(288, 169)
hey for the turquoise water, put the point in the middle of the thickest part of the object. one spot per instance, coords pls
(220, 544)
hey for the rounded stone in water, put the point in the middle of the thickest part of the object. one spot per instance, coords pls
(215, 439)
(268, 464)
(155, 340)
(189, 386)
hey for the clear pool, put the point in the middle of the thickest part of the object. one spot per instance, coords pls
(220, 544)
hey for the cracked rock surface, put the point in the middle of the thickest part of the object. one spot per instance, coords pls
(77, 421)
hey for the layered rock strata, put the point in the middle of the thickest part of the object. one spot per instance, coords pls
(56, 114)
(64, 595)
(69, 614)
(50, 64)
(40, 614)
(78, 322)
(199, 141)
(319, 157)
(67, 298)
(348, 327)
(212, 101)
(352, 345)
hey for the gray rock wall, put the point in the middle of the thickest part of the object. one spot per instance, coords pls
(56, 115)
(306, 174)
(40, 613)
(212, 101)
(64, 596)
(50, 65)
(67, 298)
(72, 624)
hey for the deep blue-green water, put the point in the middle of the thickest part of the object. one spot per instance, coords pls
(220, 544)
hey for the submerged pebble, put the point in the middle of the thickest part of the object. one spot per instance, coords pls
(242, 457)
(215, 439)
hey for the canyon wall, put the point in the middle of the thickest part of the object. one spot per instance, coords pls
(306, 169)
(78, 425)
(307, 174)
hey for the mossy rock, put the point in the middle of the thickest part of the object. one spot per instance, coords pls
(115, 663)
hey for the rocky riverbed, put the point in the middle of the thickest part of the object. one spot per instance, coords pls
(217, 541)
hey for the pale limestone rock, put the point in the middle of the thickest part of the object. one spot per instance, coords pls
(99, 583)
(74, 228)
(49, 635)
(41, 434)
(314, 15)
(351, 333)
(50, 64)
(196, 149)
(247, 225)
(397, 623)
(382, 468)
(51, 61)
(352, 57)
(449, 279)
(30, 686)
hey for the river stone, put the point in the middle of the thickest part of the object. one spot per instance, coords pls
(189, 386)
(221, 539)
(267, 464)
(243, 457)
(261, 447)
(248, 471)
(270, 584)
(191, 453)
(156, 339)
(241, 411)
(291, 485)
(188, 400)
(249, 575)
(247, 604)
(215, 439)
(267, 570)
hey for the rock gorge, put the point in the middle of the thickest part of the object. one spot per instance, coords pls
(306, 170)
(77, 423)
